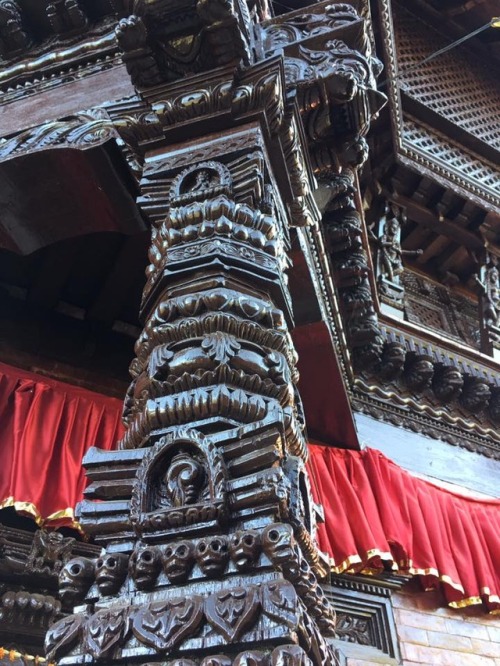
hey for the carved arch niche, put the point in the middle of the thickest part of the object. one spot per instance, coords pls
(180, 488)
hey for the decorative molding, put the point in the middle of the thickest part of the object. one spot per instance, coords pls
(364, 611)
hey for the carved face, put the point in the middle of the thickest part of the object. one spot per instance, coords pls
(75, 579)
(144, 566)
(448, 383)
(212, 555)
(244, 549)
(178, 561)
(184, 479)
(111, 570)
(277, 542)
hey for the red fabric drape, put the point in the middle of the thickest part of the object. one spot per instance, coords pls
(45, 428)
(378, 516)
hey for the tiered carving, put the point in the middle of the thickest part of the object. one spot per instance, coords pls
(344, 236)
(210, 533)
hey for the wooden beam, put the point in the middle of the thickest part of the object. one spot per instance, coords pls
(443, 226)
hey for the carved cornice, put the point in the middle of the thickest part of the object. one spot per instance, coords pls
(39, 52)
(382, 406)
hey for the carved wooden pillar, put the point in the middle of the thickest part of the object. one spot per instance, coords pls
(205, 511)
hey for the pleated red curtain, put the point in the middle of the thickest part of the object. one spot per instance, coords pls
(45, 428)
(378, 516)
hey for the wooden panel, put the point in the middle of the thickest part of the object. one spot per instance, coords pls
(434, 458)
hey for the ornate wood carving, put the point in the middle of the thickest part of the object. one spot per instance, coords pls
(388, 255)
(210, 535)
(30, 564)
(344, 236)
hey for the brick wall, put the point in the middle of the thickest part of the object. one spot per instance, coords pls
(431, 634)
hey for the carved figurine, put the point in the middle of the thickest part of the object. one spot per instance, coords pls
(13, 39)
(178, 560)
(66, 16)
(245, 548)
(49, 552)
(389, 253)
(489, 284)
(212, 555)
(75, 580)
(144, 566)
(111, 570)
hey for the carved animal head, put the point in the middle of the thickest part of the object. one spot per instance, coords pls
(251, 658)
(212, 555)
(393, 360)
(75, 578)
(245, 548)
(144, 566)
(111, 570)
(216, 660)
(178, 560)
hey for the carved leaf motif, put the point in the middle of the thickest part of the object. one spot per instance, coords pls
(279, 602)
(164, 624)
(63, 634)
(220, 347)
(354, 629)
(104, 631)
(233, 612)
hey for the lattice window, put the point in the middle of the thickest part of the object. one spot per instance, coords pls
(486, 179)
(434, 306)
(457, 85)
(427, 315)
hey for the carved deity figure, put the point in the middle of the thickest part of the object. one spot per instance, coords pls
(50, 550)
(489, 283)
(390, 253)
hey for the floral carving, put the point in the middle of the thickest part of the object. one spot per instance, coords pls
(220, 347)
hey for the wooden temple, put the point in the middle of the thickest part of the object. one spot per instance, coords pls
(271, 229)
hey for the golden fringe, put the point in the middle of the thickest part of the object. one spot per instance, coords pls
(351, 565)
(30, 508)
(14, 654)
